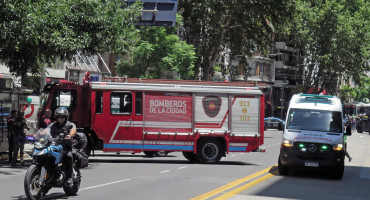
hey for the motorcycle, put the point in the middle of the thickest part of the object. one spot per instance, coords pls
(47, 169)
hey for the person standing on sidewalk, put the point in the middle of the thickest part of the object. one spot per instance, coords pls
(10, 127)
(20, 124)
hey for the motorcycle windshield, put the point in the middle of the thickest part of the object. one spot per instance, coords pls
(43, 135)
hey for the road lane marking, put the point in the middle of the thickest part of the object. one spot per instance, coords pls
(105, 184)
(232, 184)
(182, 167)
(164, 171)
(244, 187)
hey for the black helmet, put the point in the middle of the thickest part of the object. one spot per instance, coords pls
(61, 111)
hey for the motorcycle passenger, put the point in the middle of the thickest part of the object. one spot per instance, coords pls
(61, 125)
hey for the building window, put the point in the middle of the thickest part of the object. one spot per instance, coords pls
(74, 76)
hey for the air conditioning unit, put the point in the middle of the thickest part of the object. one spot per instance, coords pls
(5, 83)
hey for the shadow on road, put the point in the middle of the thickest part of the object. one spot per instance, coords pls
(154, 161)
(47, 197)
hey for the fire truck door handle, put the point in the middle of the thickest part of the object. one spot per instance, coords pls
(129, 122)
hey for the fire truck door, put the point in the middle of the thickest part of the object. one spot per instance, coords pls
(121, 124)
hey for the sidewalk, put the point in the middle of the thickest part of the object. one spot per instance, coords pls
(27, 154)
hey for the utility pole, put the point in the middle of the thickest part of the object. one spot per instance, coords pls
(282, 102)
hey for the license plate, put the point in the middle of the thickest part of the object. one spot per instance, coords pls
(311, 164)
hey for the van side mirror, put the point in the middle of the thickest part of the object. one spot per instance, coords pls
(348, 131)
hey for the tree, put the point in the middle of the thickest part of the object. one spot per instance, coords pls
(361, 93)
(33, 33)
(241, 25)
(158, 49)
(334, 37)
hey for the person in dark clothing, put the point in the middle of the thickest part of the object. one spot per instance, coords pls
(62, 125)
(46, 119)
(19, 126)
(10, 127)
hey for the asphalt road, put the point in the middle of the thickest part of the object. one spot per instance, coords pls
(238, 176)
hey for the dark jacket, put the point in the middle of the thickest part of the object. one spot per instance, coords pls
(10, 126)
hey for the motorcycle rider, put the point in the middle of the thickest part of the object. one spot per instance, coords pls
(62, 125)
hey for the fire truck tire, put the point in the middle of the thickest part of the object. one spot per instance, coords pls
(190, 156)
(149, 153)
(209, 151)
(161, 153)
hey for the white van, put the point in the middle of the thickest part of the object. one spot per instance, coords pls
(314, 135)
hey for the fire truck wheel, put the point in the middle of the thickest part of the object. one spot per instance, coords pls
(161, 153)
(190, 156)
(150, 153)
(209, 151)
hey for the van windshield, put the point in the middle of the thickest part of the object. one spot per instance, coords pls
(314, 120)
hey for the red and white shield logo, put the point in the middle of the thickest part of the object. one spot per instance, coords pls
(212, 105)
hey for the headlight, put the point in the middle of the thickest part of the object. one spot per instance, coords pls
(338, 147)
(287, 143)
(39, 145)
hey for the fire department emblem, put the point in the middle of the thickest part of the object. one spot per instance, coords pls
(212, 105)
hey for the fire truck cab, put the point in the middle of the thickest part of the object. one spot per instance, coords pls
(204, 120)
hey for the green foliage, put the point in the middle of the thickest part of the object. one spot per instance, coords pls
(158, 49)
(36, 32)
(32, 82)
(242, 26)
(362, 92)
(334, 37)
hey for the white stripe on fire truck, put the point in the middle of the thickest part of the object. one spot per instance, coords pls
(166, 133)
(149, 124)
(238, 144)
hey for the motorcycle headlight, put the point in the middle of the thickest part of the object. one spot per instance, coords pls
(338, 147)
(39, 145)
(287, 143)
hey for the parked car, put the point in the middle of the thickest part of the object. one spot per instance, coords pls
(274, 123)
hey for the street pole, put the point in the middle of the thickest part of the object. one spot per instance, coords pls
(282, 102)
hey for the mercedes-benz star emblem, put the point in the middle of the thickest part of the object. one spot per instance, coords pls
(312, 147)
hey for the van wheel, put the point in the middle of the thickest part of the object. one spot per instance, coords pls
(283, 170)
(359, 129)
(190, 156)
(209, 151)
(338, 171)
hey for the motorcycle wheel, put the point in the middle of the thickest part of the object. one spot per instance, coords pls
(31, 187)
(72, 190)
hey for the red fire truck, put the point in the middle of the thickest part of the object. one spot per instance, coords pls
(204, 120)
